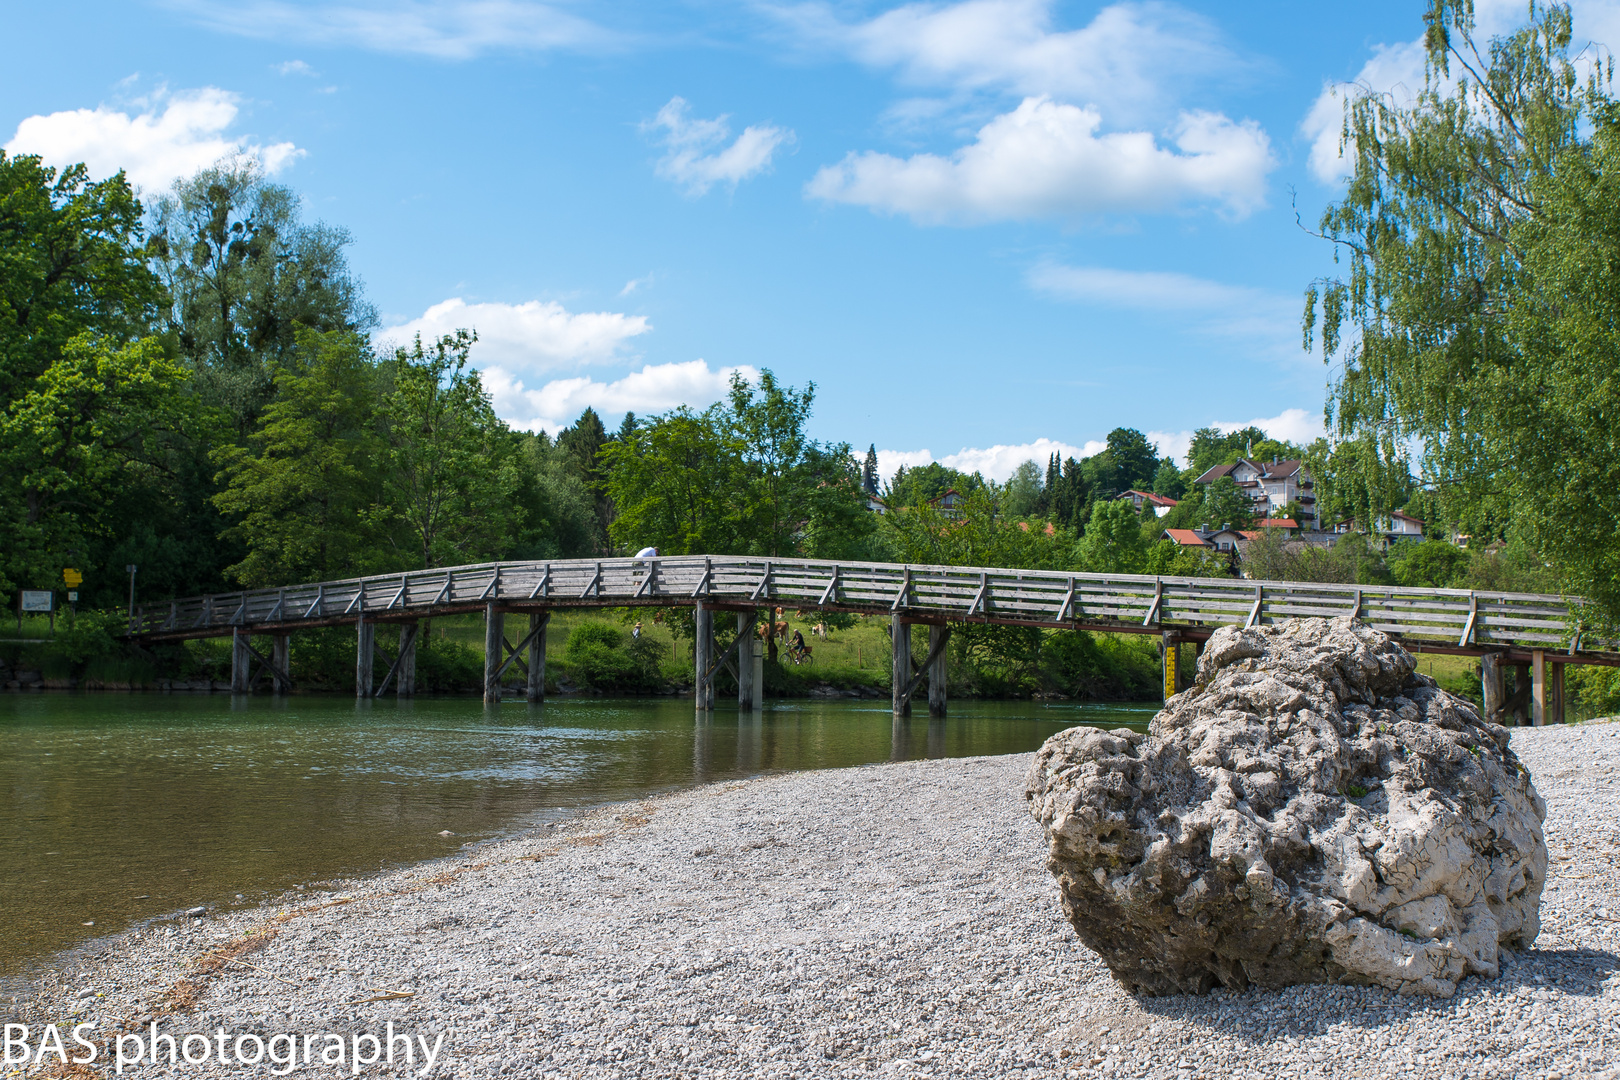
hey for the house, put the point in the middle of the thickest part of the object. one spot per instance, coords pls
(1271, 485)
(876, 505)
(1186, 538)
(1161, 503)
(1398, 526)
(1288, 525)
(950, 504)
(1224, 539)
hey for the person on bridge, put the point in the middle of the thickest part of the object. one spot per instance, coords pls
(647, 553)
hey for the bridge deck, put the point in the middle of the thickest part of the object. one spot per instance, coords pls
(1429, 620)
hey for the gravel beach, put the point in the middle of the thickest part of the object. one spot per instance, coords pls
(894, 920)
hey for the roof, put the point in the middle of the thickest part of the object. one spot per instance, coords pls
(1156, 500)
(1277, 523)
(1407, 517)
(1269, 470)
(1186, 537)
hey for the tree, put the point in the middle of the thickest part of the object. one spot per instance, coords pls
(1132, 461)
(767, 420)
(673, 484)
(81, 431)
(1428, 564)
(451, 475)
(244, 273)
(581, 447)
(1021, 497)
(304, 490)
(1479, 230)
(1113, 542)
(70, 264)
(1167, 480)
(869, 471)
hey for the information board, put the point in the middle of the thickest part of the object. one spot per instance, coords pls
(37, 599)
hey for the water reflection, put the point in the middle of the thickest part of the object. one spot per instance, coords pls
(115, 808)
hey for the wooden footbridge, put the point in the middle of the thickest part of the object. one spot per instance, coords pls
(1538, 634)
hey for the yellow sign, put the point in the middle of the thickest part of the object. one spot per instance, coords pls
(72, 577)
(1170, 652)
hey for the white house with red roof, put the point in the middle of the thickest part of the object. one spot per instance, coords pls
(1271, 486)
(1398, 526)
(1162, 504)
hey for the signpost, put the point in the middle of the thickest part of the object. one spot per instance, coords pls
(36, 601)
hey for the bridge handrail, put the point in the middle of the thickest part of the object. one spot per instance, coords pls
(1040, 597)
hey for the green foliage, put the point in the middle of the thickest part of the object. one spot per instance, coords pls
(70, 264)
(1168, 481)
(1021, 495)
(597, 655)
(976, 535)
(1113, 541)
(87, 634)
(1479, 228)
(304, 489)
(246, 275)
(1430, 564)
(76, 434)
(451, 475)
(923, 484)
(740, 478)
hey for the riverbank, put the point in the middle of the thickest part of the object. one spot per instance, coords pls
(892, 920)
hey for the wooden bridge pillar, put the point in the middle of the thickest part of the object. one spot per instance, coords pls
(494, 641)
(365, 652)
(900, 631)
(1493, 694)
(280, 663)
(747, 646)
(405, 665)
(936, 671)
(241, 662)
(1555, 694)
(703, 658)
(538, 622)
(1538, 687)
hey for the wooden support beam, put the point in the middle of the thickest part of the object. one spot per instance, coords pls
(1254, 612)
(281, 664)
(1555, 693)
(1538, 688)
(405, 678)
(494, 639)
(535, 691)
(241, 661)
(900, 632)
(937, 636)
(703, 658)
(1493, 693)
(365, 652)
(747, 692)
(1158, 598)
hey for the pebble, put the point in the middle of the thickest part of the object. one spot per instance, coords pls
(891, 921)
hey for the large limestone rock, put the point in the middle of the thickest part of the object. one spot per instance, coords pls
(1311, 811)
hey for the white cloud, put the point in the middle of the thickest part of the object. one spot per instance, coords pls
(294, 67)
(1291, 425)
(1398, 70)
(696, 156)
(635, 283)
(1125, 60)
(994, 463)
(177, 134)
(1047, 160)
(451, 30)
(535, 337)
(1264, 319)
(655, 388)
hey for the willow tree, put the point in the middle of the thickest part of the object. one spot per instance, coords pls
(1475, 321)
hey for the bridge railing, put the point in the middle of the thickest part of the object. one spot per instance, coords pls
(1456, 617)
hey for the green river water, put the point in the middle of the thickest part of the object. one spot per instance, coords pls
(118, 808)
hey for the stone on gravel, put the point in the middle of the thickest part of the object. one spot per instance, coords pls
(1311, 811)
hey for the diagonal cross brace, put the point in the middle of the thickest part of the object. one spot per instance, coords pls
(512, 653)
(922, 673)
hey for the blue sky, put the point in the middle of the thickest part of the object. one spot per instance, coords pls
(986, 230)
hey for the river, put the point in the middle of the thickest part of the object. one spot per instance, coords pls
(120, 808)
